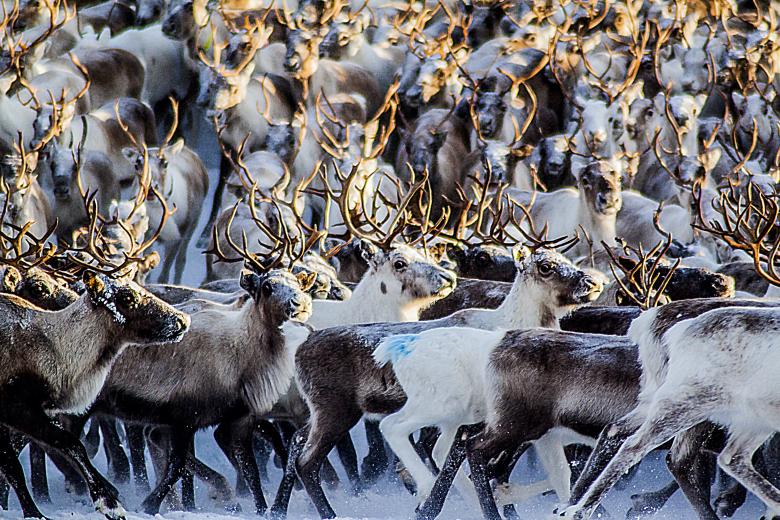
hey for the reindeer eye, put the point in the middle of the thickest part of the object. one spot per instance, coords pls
(400, 265)
(267, 289)
(545, 269)
(126, 299)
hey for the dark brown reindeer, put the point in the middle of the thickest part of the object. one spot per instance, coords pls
(112, 314)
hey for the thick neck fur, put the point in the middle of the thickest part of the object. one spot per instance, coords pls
(377, 298)
(85, 343)
(527, 305)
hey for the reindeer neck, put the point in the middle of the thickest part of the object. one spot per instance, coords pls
(598, 227)
(371, 302)
(526, 306)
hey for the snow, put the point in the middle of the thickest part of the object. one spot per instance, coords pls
(389, 501)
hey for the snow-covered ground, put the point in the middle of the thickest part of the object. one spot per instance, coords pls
(389, 502)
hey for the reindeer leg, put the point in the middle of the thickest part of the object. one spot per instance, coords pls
(181, 440)
(270, 433)
(170, 255)
(119, 465)
(348, 458)
(326, 431)
(32, 421)
(375, 464)
(225, 169)
(668, 415)
(282, 500)
(91, 439)
(38, 476)
(12, 470)
(431, 508)
(216, 482)
(181, 254)
(242, 436)
(224, 439)
(137, 443)
(611, 438)
(736, 460)
(693, 469)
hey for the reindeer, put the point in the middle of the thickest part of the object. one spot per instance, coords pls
(254, 332)
(24, 203)
(331, 419)
(436, 144)
(111, 312)
(598, 199)
(346, 41)
(180, 176)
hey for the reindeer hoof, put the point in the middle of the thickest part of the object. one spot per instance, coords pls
(110, 508)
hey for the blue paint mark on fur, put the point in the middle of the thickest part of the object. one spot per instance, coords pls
(394, 348)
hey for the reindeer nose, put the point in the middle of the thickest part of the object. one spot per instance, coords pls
(448, 279)
(293, 64)
(168, 27)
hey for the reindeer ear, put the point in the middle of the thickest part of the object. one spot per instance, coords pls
(12, 278)
(634, 92)
(94, 283)
(249, 281)
(368, 251)
(306, 279)
(520, 253)
(176, 147)
(131, 154)
(438, 251)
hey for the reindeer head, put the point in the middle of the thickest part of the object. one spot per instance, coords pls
(489, 108)
(281, 139)
(499, 159)
(37, 287)
(64, 171)
(149, 11)
(697, 282)
(422, 148)
(349, 258)
(758, 108)
(221, 90)
(406, 273)
(550, 275)
(432, 77)
(600, 184)
(157, 162)
(551, 157)
(279, 294)
(340, 41)
(303, 53)
(486, 262)
(144, 317)
(179, 23)
(601, 125)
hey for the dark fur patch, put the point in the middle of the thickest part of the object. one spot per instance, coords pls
(600, 320)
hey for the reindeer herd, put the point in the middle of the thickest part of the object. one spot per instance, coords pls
(483, 229)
